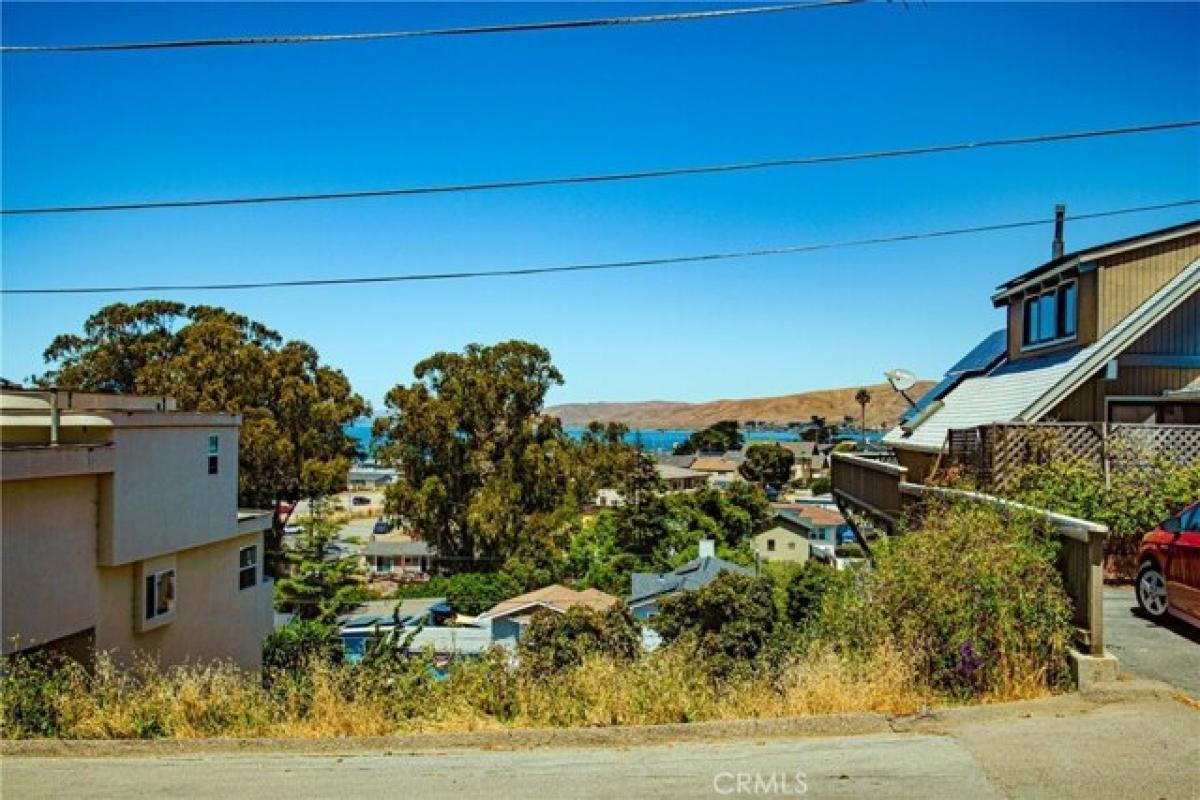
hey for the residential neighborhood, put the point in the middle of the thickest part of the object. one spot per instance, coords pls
(606, 400)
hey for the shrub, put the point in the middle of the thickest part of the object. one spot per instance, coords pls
(972, 597)
(555, 642)
(728, 622)
(1140, 495)
(299, 643)
(821, 485)
(806, 590)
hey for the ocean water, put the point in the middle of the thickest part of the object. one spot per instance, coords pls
(655, 440)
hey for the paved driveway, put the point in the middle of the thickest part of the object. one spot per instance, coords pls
(1168, 652)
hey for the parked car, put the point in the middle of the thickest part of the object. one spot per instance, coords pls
(359, 500)
(1168, 581)
(381, 527)
(292, 529)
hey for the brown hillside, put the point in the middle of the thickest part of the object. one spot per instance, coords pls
(886, 405)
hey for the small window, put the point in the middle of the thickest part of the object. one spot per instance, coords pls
(1051, 316)
(160, 593)
(791, 545)
(771, 545)
(214, 446)
(248, 567)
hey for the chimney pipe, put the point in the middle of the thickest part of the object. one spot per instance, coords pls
(1060, 213)
(708, 548)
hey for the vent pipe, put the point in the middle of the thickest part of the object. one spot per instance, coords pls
(1060, 213)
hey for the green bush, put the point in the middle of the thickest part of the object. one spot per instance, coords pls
(299, 643)
(729, 622)
(1137, 499)
(555, 642)
(805, 591)
(972, 596)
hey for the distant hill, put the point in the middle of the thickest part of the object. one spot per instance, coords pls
(886, 405)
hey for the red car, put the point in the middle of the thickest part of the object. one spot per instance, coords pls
(1169, 579)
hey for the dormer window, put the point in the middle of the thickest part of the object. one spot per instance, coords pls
(1050, 316)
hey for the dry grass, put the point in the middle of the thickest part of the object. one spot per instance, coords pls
(338, 701)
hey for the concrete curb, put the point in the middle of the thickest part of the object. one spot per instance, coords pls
(935, 722)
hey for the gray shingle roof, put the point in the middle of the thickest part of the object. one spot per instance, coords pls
(694, 574)
(419, 548)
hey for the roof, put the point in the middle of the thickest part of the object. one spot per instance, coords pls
(389, 610)
(668, 472)
(815, 514)
(1027, 389)
(979, 359)
(1069, 261)
(693, 575)
(683, 461)
(555, 597)
(713, 464)
(457, 641)
(410, 548)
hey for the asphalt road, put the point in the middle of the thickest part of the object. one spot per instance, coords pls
(1167, 652)
(1063, 747)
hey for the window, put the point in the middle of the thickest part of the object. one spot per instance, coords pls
(160, 593)
(214, 445)
(248, 567)
(770, 545)
(1051, 316)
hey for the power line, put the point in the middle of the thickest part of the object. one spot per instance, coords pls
(596, 266)
(613, 177)
(513, 27)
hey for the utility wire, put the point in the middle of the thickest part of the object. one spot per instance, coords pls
(594, 266)
(514, 27)
(613, 177)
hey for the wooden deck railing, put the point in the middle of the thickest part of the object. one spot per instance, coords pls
(879, 490)
(869, 484)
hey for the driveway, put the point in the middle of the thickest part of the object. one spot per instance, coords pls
(1167, 652)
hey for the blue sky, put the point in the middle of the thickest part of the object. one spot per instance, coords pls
(111, 127)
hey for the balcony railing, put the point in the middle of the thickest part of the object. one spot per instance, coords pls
(871, 484)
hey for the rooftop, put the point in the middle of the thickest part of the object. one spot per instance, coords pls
(556, 596)
(695, 574)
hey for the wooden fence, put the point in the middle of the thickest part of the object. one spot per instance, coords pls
(878, 490)
(992, 454)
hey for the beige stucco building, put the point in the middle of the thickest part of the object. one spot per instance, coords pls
(120, 530)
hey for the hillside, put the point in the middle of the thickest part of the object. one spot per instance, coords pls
(833, 404)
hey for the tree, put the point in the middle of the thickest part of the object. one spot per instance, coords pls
(731, 619)
(768, 464)
(555, 642)
(320, 585)
(720, 437)
(293, 444)
(642, 519)
(863, 397)
(805, 590)
(483, 474)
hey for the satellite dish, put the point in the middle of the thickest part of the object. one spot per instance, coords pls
(900, 379)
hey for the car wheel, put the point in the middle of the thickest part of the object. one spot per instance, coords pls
(1152, 591)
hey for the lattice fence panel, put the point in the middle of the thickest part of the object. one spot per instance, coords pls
(992, 454)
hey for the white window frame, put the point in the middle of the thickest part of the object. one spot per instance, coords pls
(252, 567)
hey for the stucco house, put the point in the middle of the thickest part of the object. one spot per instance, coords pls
(784, 540)
(121, 531)
(721, 471)
(398, 558)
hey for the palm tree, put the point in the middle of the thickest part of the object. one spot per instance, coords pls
(862, 397)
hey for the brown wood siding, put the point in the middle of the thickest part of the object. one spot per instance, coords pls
(1129, 279)
(1086, 404)
(1086, 302)
(1178, 334)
